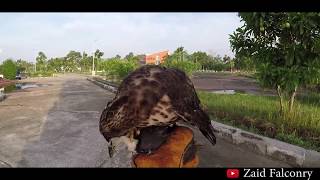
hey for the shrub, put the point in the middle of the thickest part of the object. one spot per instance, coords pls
(187, 66)
(9, 69)
(119, 68)
(41, 74)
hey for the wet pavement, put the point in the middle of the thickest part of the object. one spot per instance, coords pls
(228, 84)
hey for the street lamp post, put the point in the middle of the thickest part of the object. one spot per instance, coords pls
(93, 70)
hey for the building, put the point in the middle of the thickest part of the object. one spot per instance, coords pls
(156, 58)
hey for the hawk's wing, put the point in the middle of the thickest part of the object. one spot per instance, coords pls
(181, 92)
(187, 104)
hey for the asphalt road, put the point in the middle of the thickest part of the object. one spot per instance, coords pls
(57, 126)
(219, 81)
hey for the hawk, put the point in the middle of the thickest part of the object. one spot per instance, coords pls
(152, 96)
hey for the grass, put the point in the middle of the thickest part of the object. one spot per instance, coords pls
(251, 75)
(260, 114)
(312, 99)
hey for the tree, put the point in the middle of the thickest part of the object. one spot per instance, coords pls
(86, 62)
(202, 58)
(285, 47)
(244, 63)
(180, 54)
(132, 58)
(98, 54)
(187, 66)
(72, 61)
(56, 64)
(118, 56)
(129, 56)
(19, 65)
(24, 66)
(119, 68)
(228, 61)
(41, 62)
(180, 59)
(208, 62)
(9, 69)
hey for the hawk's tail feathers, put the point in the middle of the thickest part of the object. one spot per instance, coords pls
(204, 124)
(208, 133)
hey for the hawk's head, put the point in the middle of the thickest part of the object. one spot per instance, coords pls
(110, 121)
(111, 118)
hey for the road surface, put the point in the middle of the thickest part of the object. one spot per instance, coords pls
(56, 125)
(220, 81)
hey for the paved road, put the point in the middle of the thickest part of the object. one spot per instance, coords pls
(219, 81)
(57, 126)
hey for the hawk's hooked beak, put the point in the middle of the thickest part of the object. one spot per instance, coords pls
(111, 149)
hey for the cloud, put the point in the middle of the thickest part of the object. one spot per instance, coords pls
(24, 34)
(0, 50)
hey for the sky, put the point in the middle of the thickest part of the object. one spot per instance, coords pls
(23, 35)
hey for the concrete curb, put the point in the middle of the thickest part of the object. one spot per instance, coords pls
(293, 155)
(103, 85)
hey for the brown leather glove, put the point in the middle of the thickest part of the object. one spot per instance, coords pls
(177, 151)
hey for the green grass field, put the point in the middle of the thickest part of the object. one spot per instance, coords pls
(259, 114)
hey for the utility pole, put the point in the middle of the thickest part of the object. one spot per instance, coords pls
(35, 63)
(93, 69)
(93, 72)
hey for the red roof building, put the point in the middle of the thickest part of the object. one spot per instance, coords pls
(156, 58)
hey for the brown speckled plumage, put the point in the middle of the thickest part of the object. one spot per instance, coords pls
(153, 96)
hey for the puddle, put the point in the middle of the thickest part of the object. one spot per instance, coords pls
(20, 86)
(244, 92)
(29, 85)
(228, 91)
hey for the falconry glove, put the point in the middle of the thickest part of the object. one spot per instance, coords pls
(166, 147)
